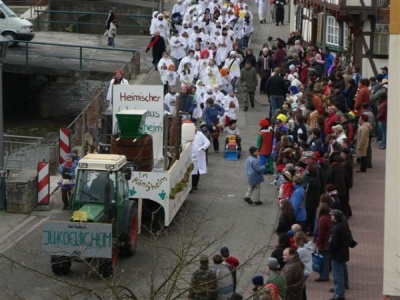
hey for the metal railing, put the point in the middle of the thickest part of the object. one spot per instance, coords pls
(73, 19)
(87, 129)
(78, 55)
(24, 152)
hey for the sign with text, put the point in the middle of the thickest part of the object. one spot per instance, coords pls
(143, 97)
(77, 239)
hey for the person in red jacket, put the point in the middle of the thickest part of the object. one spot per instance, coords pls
(331, 120)
(363, 96)
(382, 119)
(321, 239)
(264, 144)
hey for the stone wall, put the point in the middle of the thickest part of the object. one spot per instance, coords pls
(22, 192)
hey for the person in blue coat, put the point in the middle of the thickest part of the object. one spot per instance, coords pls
(255, 176)
(67, 171)
(298, 201)
(212, 114)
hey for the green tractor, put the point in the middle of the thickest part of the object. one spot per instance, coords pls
(104, 221)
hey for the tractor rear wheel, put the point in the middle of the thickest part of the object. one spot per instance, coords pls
(60, 265)
(130, 237)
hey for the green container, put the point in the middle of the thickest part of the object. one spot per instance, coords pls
(131, 123)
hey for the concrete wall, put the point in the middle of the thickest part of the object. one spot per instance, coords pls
(99, 7)
(22, 192)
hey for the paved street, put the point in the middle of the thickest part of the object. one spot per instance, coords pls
(247, 230)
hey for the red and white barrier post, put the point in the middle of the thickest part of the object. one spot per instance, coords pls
(43, 183)
(65, 144)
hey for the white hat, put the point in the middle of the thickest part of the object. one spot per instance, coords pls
(160, 15)
(209, 89)
(338, 127)
(233, 53)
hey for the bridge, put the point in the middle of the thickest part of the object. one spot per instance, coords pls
(78, 55)
(60, 49)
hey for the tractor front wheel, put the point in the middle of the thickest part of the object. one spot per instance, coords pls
(60, 265)
(130, 237)
(107, 266)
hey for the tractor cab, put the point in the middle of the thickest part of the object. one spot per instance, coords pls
(101, 187)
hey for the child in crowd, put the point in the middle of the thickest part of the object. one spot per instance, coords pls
(231, 106)
(264, 144)
(233, 130)
(225, 85)
(112, 32)
(232, 262)
(286, 189)
(171, 76)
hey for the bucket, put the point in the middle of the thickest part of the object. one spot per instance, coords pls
(188, 131)
(139, 152)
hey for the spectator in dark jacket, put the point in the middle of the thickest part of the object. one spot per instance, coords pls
(283, 243)
(157, 44)
(264, 69)
(276, 89)
(339, 242)
(279, 56)
(347, 164)
(335, 175)
(382, 119)
(312, 186)
(286, 218)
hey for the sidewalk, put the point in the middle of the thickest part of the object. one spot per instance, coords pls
(366, 260)
(367, 201)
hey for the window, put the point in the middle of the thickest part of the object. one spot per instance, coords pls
(332, 31)
(345, 36)
(381, 39)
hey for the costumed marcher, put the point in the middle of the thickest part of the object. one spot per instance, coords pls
(231, 106)
(157, 44)
(161, 26)
(280, 11)
(212, 114)
(199, 147)
(117, 79)
(262, 10)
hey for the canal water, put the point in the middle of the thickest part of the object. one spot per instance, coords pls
(51, 106)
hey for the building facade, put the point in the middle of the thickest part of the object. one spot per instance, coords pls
(357, 28)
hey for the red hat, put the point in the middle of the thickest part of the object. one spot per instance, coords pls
(274, 288)
(318, 157)
(264, 123)
(204, 52)
(118, 71)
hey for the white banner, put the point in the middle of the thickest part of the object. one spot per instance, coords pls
(77, 239)
(143, 97)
